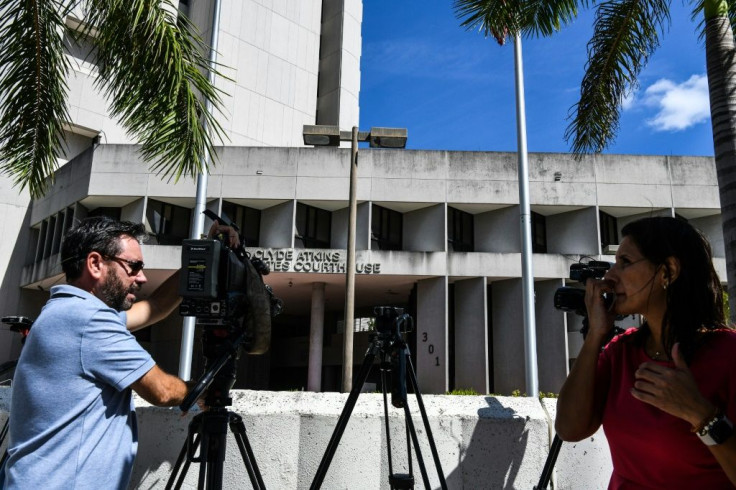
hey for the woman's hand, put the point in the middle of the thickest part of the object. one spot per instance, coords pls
(672, 390)
(600, 312)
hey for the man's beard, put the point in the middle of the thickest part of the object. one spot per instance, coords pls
(115, 295)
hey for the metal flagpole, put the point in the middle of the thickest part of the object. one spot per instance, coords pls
(527, 273)
(187, 334)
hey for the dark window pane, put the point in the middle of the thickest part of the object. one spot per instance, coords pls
(460, 231)
(245, 218)
(539, 233)
(313, 226)
(609, 229)
(169, 223)
(386, 228)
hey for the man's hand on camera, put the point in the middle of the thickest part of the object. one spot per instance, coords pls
(191, 384)
(229, 234)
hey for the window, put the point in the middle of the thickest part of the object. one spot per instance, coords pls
(460, 230)
(48, 236)
(41, 241)
(169, 223)
(313, 226)
(386, 228)
(245, 218)
(609, 230)
(539, 233)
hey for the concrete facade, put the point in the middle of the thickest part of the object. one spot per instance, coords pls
(467, 304)
(482, 442)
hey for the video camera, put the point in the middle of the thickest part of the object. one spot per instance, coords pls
(572, 298)
(223, 289)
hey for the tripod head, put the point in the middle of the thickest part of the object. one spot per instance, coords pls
(20, 324)
(391, 324)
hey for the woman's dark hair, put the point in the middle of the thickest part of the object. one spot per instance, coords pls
(100, 234)
(695, 297)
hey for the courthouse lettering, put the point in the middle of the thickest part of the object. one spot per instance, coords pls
(322, 261)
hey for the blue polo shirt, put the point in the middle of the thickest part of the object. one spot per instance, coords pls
(72, 419)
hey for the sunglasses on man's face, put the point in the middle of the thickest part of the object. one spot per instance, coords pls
(135, 265)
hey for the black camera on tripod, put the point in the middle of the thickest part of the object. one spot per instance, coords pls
(572, 298)
(391, 320)
(223, 289)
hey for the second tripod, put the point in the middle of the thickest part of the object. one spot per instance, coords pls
(388, 343)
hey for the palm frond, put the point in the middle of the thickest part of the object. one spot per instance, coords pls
(496, 18)
(545, 17)
(504, 18)
(625, 34)
(153, 70)
(33, 90)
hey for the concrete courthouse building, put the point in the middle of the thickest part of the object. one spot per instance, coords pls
(437, 231)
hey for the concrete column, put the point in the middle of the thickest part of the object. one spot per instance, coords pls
(316, 334)
(509, 373)
(432, 355)
(552, 352)
(471, 335)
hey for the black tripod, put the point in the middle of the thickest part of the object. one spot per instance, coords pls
(396, 362)
(208, 430)
(554, 449)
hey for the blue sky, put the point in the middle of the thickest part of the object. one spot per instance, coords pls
(453, 89)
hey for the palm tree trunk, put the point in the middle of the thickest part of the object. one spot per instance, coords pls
(721, 61)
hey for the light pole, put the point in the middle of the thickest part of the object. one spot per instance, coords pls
(527, 271)
(188, 323)
(322, 135)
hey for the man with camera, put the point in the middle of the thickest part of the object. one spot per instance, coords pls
(73, 420)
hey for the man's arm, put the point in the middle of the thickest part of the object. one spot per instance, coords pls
(160, 389)
(157, 307)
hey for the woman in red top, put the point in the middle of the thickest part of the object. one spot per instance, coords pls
(665, 393)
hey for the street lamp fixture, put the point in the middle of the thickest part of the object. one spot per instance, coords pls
(323, 135)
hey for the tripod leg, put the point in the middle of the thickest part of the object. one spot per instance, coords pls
(342, 422)
(246, 452)
(386, 422)
(417, 449)
(425, 420)
(3, 435)
(549, 465)
(177, 466)
(214, 438)
(188, 448)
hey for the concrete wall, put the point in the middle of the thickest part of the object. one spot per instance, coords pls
(432, 354)
(574, 232)
(424, 229)
(482, 442)
(471, 335)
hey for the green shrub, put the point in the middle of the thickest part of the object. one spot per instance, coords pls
(463, 391)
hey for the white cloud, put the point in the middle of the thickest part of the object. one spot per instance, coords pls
(629, 99)
(679, 106)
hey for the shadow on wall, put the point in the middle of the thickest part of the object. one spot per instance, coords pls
(161, 434)
(495, 449)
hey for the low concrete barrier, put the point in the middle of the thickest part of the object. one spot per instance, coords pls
(482, 442)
